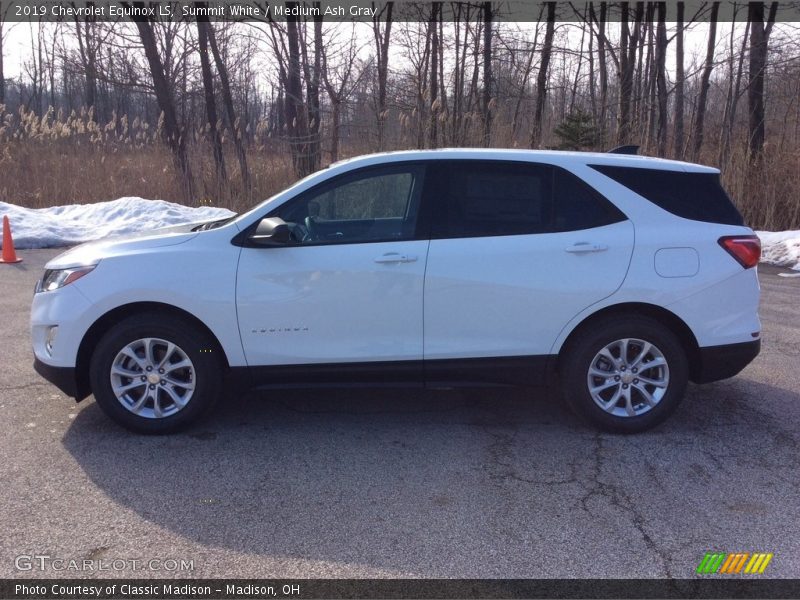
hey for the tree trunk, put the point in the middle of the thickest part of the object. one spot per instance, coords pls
(629, 42)
(312, 70)
(487, 73)
(296, 115)
(734, 94)
(759, 38)
(541, 78)
(208, 89)
(382, 39)
(603, 68)
(680, 82)
(164, 97)
(705, 82)
(227, 100)
(661, 79)
(433, 33)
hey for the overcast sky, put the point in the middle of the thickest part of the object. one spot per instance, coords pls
(18, 38)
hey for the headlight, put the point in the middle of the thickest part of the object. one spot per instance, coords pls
(57, 278)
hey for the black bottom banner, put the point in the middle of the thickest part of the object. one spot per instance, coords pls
(201, 589)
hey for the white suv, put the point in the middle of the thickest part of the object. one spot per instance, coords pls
(621, 276)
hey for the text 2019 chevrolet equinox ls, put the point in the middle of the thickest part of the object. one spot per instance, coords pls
(623, 276)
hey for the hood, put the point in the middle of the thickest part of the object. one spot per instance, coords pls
(92, 252)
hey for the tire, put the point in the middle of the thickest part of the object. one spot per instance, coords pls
(153, 373)
(603, 379)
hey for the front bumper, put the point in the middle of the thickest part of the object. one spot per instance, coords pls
(64, 378)
(722, 362)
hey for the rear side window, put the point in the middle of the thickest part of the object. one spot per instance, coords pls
(493, 198)
(695, 196)
(576, 205)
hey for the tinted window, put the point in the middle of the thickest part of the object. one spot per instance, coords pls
(369, 206)
(486, 198)
(577, 205)
(696, 196)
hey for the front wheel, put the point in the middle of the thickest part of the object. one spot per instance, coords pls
(625, 375)
(155, 374)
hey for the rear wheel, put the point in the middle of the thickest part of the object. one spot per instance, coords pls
(625, 374)
(155, 374)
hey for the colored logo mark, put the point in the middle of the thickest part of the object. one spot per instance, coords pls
(730, 564)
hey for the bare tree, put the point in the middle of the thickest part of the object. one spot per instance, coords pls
(759, 39)
(382, 37)
(304, 157)
(488, 18)
(734, 91)
(339, 85)
(680, 82)
(208, 89)
(86, 33)
(629, 43)
(433, 35)
(602, 44)
(661, 78)
(542, 77)
(705, 82)
(227, 100)
(171, 130)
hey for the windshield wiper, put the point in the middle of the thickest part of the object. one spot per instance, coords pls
(214, 224)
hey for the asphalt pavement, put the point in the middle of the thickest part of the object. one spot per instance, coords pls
(406, 483)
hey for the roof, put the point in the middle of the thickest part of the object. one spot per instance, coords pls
(556, 157)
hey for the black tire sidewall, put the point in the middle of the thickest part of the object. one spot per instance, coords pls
(582, 350)
(195, 343)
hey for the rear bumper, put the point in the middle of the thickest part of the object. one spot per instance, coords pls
(721, 362)
(64, 378)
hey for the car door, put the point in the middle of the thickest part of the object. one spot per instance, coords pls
(517, 250)
(348, 287)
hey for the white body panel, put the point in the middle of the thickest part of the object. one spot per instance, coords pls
(511, 295)
(306, 304)
(196, 273)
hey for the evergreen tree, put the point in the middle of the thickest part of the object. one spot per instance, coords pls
(577, 132)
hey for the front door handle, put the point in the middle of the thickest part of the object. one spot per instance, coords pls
(395, 257)
(585, 247)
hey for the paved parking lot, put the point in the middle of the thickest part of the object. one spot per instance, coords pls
(403, 483)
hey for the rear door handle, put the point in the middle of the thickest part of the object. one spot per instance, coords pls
(395, 257)
(585, 247)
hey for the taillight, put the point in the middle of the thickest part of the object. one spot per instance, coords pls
(746, 249)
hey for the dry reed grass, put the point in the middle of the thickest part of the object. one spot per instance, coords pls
(57, 159)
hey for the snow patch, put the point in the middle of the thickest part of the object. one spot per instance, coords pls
(781, 248)
(77, 223)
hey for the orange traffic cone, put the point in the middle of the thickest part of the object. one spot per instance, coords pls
(9, 254)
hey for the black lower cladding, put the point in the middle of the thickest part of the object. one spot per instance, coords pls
(64, 378)
(510, 370)
(722, 362)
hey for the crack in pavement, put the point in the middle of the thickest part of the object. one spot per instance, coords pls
(619, 498)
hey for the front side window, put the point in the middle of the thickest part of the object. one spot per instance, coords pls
(377, 204)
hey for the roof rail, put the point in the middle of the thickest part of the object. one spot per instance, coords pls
(626, 149)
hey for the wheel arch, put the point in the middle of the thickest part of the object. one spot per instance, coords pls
(102, 325)
(672, 321)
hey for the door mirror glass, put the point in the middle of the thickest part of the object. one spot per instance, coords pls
(272, 231)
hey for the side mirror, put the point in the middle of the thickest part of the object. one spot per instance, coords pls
(271, 232)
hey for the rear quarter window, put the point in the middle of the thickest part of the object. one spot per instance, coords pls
(695, 196)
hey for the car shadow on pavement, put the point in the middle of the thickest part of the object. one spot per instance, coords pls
(416, 481)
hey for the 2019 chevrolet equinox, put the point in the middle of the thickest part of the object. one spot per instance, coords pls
(622, 276)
